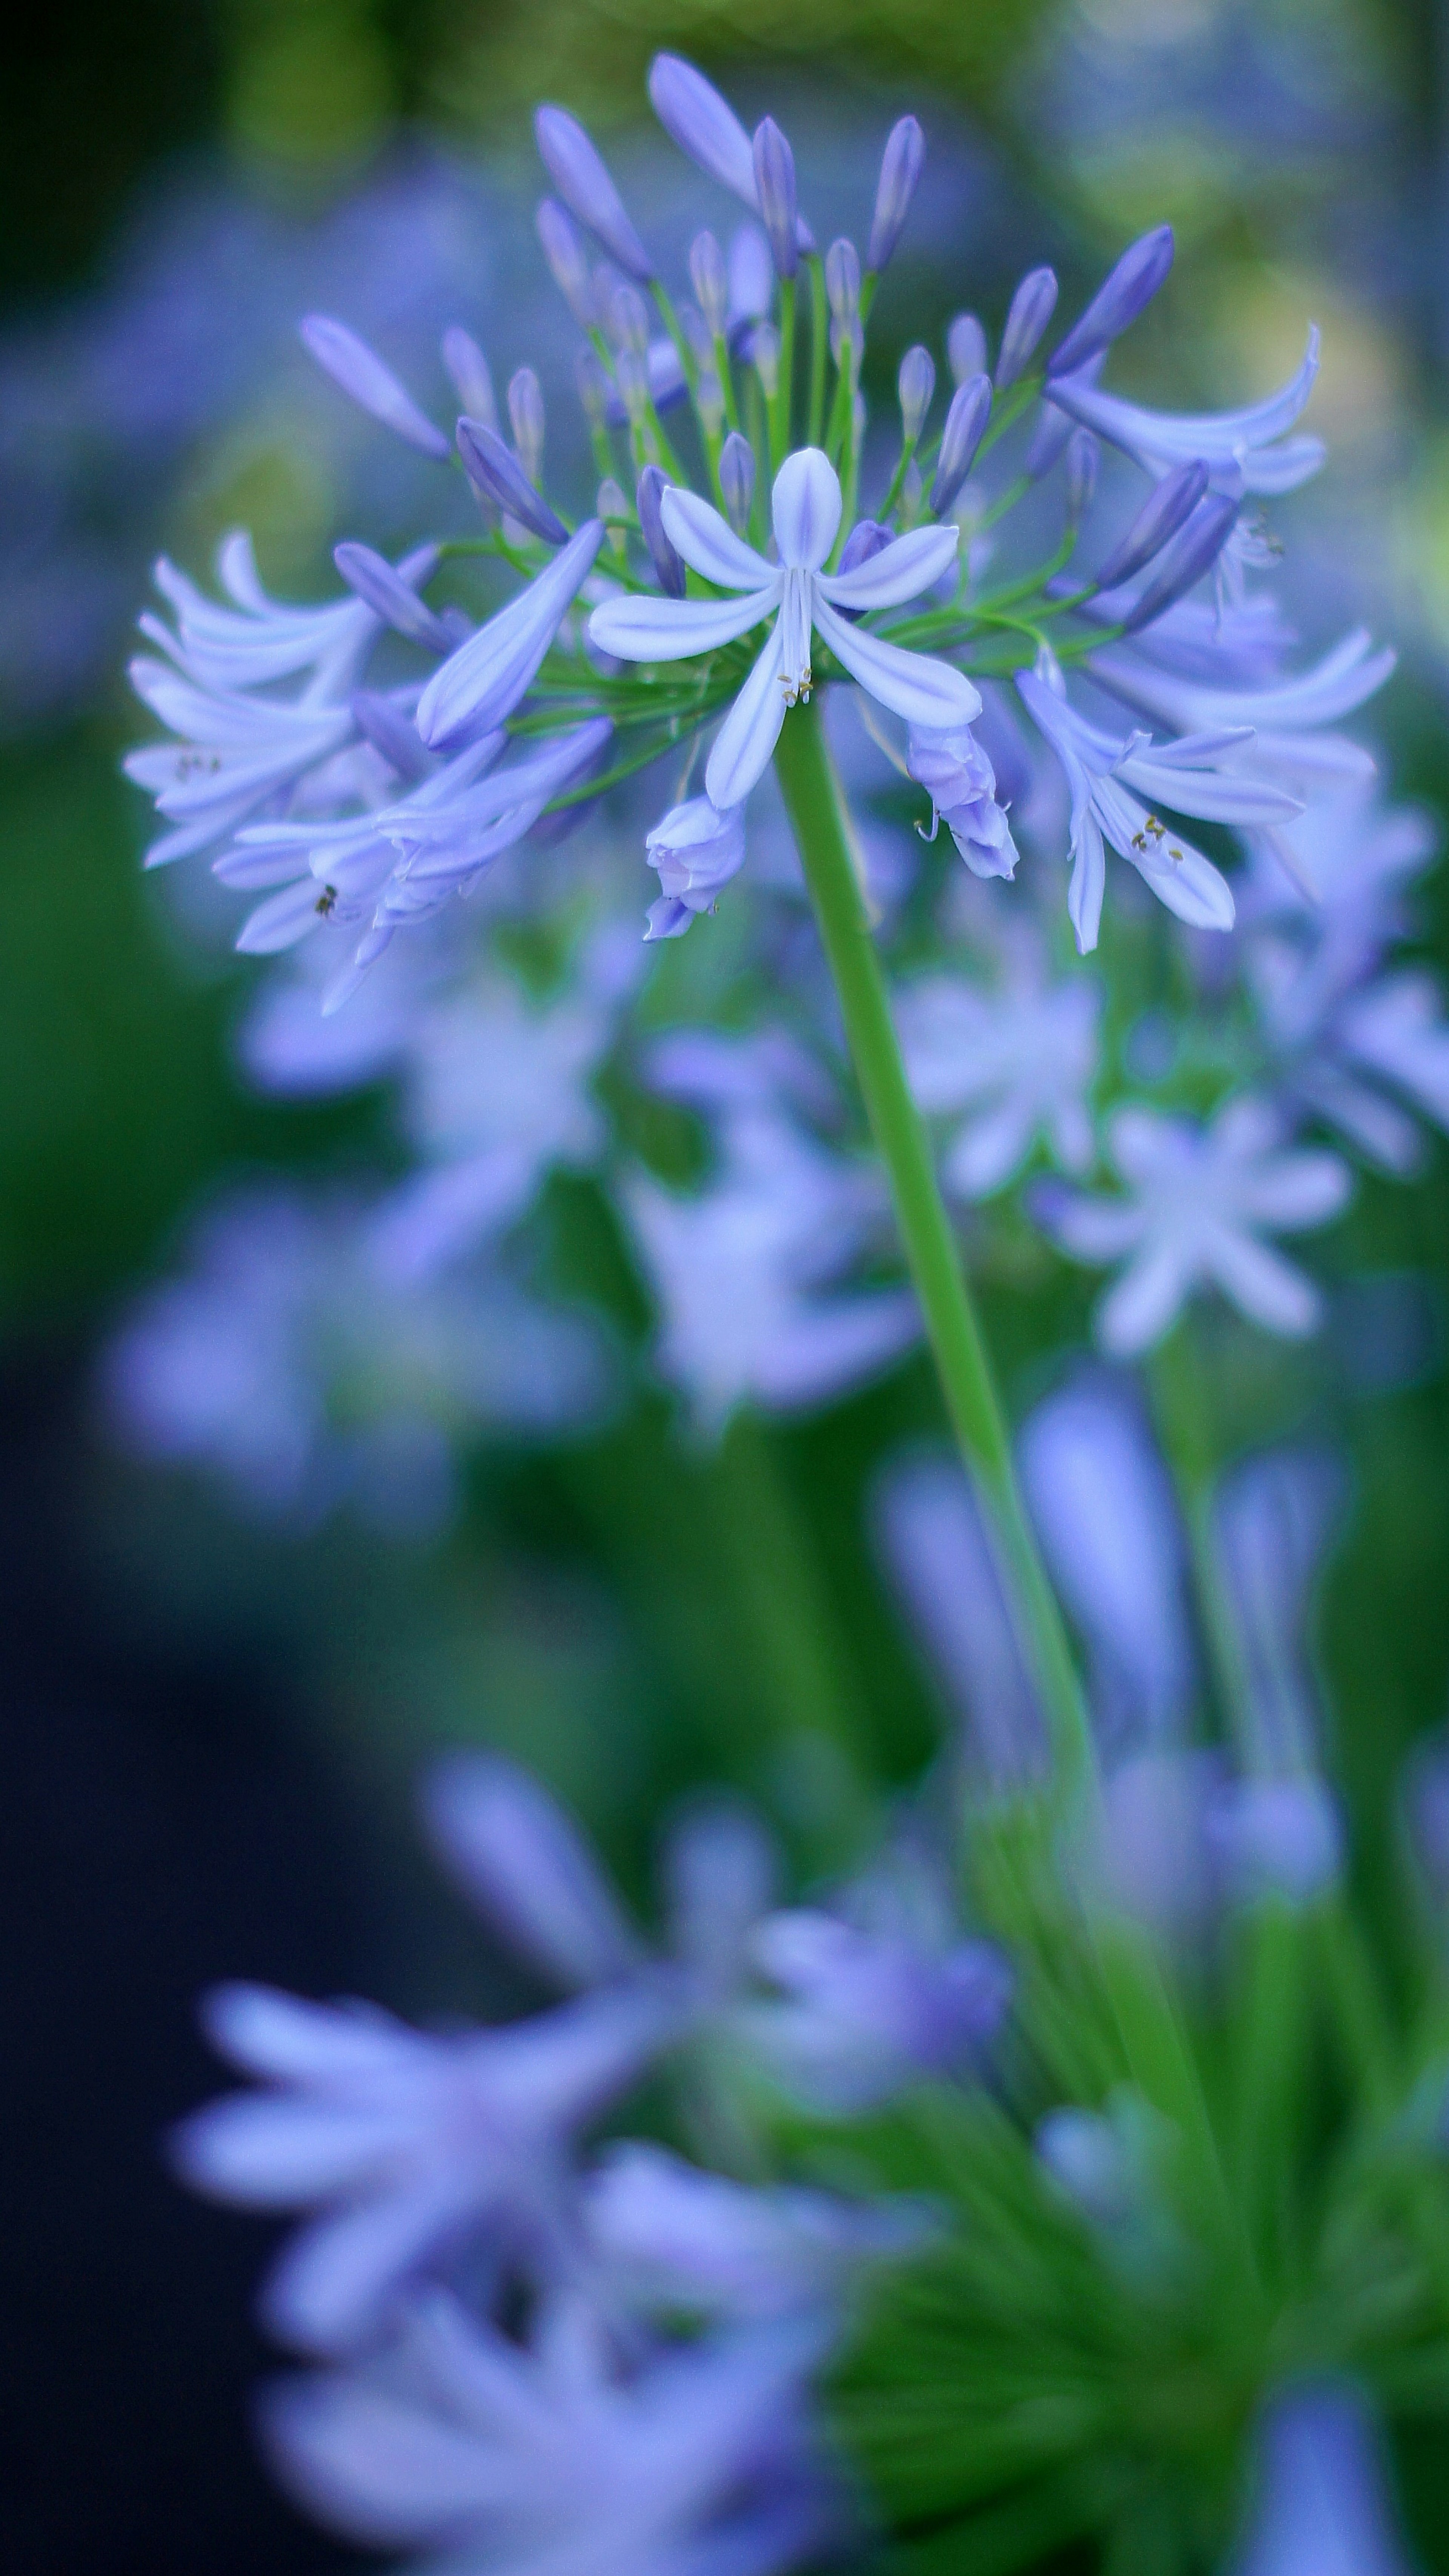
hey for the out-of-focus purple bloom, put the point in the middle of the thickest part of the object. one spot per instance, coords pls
(281, 1360)
(1123, 294)
(587, 190)
(474, 2451)
(866, 2010)
(965, 428)
(1082, 457)
(1278, 1838)
(681, 2241)
(741, 1269)
(1102, 772)
(406, 2144)
(471, 375)
(1250, 442)
(930, 1531)
(1032, 307)
(653, 483)
(710, 279)
(501, 479)
(1200, 1200)
(362, 374)
(1012, 1065)
(1154, 1853)
(483, 681)
(696, 850)
(1319, 2503)
(900, 174)
(1103, 1506)
(709, 133)
(1273, 1518)
(1047, 444)
(521, 1858)
(527, 420)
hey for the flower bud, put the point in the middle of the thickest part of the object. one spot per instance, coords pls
(374, 580)
(765, 357)
(500, 478)
(915, 384)
(564, 250)
(1082, 456)
(704, 126)
(1191, 553)
(709, 397)
(1118, 301)
(632, 378)
(653, 484)
(737, 480)
(842, 280)
(866, 539)
(752, 274)
(966, 349)
(526, 418)
(587, 189)
(1160, 517)
(1048, 440)
(965, 427)
(626, 319)
(612, 506)
(710, 280)
(900, 170)
(361, 373)
(593, 388)
(1031, 310)
(775, 190)
(472, 379)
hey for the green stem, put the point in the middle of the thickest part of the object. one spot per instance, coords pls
(821, 827)
(819, 329)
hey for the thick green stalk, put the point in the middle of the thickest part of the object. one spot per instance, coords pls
(818, 818)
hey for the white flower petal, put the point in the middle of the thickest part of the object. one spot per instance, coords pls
(1178, 874)
(899, 572)
(806, 506)
(1088, 886)
(914, 685)
(750, 731)
(670, 630)
(709, 543)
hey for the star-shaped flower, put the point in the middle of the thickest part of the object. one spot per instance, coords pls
(1200, 1200)
(801, 596)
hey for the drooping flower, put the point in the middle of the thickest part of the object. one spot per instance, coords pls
(1198, 1202)
(1188, 776)
(956, 772)
(800, 595)
(1251, 442)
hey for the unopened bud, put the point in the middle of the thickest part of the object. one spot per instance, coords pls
(652, 486)
(1032, 307)
(710, 280)
(587, 190)
(632, 378)
(472, 379)
(915, 384)
(1082, 456)
(775, 190)
(900, 170)
(1195, 548)
(965, 427)
(966, 349)
(1048, 440)
(626, 319)
(842, 280)
(526, 418)
(765, 355)
(737, 480)
(1160, 517)
(1118, 301)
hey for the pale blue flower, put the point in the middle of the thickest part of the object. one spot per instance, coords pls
(696, 849)
(562, 2457)
(408, 2147)
(587, 190)
(900, 174)
(1319, 2503)
(1273, 1518)
(799, 595)
(1109, 776)
(484, 680)
(1197, 1204)
(1006, 1066)
(865, 2010)
(1251, 441)
(956, 772)
(364, 375)
(1287, 716)
(1126, 291)
(1031, 309)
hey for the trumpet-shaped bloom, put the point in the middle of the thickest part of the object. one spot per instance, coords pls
(1198, 1202)
(554, 2460)
(1287, 716)
(1109, 776)
(406, 2144)
(1012, 1065)
(800, 596)
(1251, 441)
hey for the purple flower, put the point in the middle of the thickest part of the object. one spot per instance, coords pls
(1272, 1521)
(408, 2146)
(900, 174)
(1319, 2503)
(1032, 307)
(1020, 1061)
(1199, 1201)
(1123, 294)
(484, 680)
(1286, 717)
(1250, 442)
(933, 1538)
(965, 428)
(865, 2012)
(696, 850)
(500, 477)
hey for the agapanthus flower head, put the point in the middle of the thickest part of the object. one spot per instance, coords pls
(1005, 1066)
